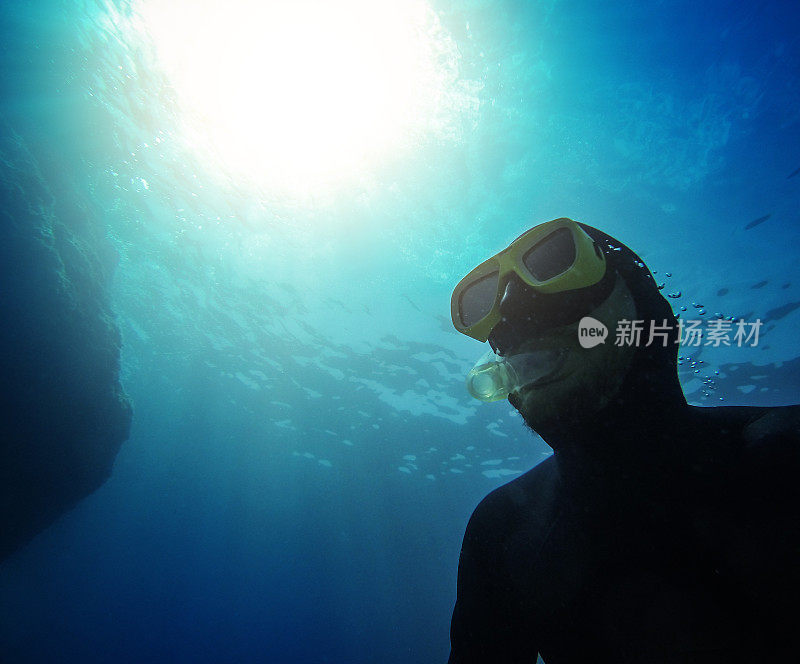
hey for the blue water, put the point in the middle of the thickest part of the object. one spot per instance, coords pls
(304, 457)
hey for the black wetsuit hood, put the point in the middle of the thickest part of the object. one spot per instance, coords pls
(636, 431)
(637, 435)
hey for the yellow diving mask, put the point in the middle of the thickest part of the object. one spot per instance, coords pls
(556, 260)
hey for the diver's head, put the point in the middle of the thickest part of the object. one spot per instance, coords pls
(528, 302)
(582, 380)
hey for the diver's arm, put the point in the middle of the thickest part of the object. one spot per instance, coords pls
(484, 628)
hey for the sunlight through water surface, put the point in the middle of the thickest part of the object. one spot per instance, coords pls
(305, 96)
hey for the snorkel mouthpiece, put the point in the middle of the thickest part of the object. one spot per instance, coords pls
(495, 376)
(492, 378)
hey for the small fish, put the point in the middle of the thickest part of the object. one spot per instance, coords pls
(756, 222)
(792, 174)
(780, 312)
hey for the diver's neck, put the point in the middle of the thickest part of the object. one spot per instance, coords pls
(645, 439)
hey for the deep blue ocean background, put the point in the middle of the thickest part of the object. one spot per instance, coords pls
(304, 456)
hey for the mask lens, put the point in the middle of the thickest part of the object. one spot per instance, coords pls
(477, 299)
(552, 256)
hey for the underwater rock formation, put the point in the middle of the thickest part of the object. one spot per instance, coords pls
(63, 413)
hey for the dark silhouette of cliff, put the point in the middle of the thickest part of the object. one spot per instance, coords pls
(63, 413)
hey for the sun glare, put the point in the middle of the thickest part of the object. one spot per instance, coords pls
(301, 94)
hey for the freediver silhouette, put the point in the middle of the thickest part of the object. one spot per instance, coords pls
(657, 532)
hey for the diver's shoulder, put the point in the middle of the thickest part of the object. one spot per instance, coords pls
(534, 486)
(752, 421)
(528, 498)
(756, 427)
(778, 422)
